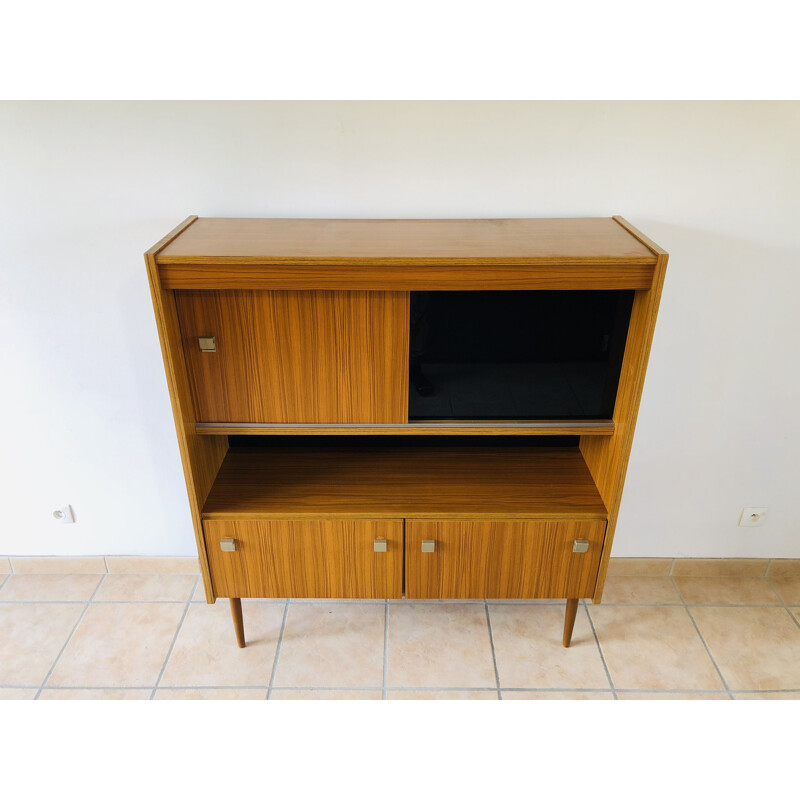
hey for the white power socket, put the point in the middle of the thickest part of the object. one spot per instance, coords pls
(64, 514)
(752, 517)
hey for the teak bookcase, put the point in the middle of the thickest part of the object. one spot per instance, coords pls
(301, 327)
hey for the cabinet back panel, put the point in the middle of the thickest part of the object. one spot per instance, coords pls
(297, 357)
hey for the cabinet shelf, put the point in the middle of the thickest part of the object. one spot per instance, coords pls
(392, 483)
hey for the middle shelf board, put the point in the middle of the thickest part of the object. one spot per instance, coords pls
(593, 427)
(391, 483)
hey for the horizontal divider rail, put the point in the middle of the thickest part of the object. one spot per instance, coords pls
(538, 428)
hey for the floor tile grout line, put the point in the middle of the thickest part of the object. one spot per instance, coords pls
(600, 650)
(674, 691)
(550, 689)
(674, 604)
(777, 604)
(174, 639)
(388, 688)
(442, 689)
(710, 654)
(783, 602)
(619, 691)
(702, 639)
(678, 590)
(94, 688)
(494, 654)
(149, 688)
(278, 650)
(12, 686)
(487, 689)
(3, 583)
(777, 592)
(69, 638)
(246, 601)
(97, 602)
(385, 646)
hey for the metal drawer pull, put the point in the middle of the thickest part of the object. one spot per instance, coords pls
(428, 545)
(208, 344)
(379, 545)
(227, 545)
(580, 546)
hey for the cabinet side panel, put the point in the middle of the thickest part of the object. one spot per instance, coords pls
(607, 457)
(605, 463)
(297, 357)
(201, 456)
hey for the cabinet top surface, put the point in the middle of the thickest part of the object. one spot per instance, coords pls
(397, 241)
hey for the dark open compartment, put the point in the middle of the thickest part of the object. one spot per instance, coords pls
(524, 355)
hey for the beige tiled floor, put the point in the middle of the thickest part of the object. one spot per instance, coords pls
(727, 591)
(439, 645)
(125, 635)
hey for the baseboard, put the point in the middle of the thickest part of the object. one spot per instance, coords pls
(704, 567)
(24, 565)
(619, 567)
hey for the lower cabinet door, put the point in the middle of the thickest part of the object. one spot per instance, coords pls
(502, 558)
(305, 558)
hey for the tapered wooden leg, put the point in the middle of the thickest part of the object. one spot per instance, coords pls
(569, 621)
(238, 621)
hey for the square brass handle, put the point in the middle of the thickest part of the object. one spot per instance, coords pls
(379, 545)
(580, 546)
(208, 344)
(227, 545)
(428, 545)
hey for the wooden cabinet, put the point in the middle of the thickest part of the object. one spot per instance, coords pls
(310, 330)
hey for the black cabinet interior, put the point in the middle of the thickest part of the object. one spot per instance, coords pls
(522, 355)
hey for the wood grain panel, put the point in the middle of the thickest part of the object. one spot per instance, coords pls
(423, 276)
(394, 482)
(404, 241)
(501, 558)
(608, 459)
(542, 428)
(200, 456)
(333, 558)
(297, 357)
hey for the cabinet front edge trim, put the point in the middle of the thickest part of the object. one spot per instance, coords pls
(544, 427)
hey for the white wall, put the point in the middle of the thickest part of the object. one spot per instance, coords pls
(85, 188)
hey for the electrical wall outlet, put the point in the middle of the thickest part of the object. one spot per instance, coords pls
(64, 514)
(752, 517)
